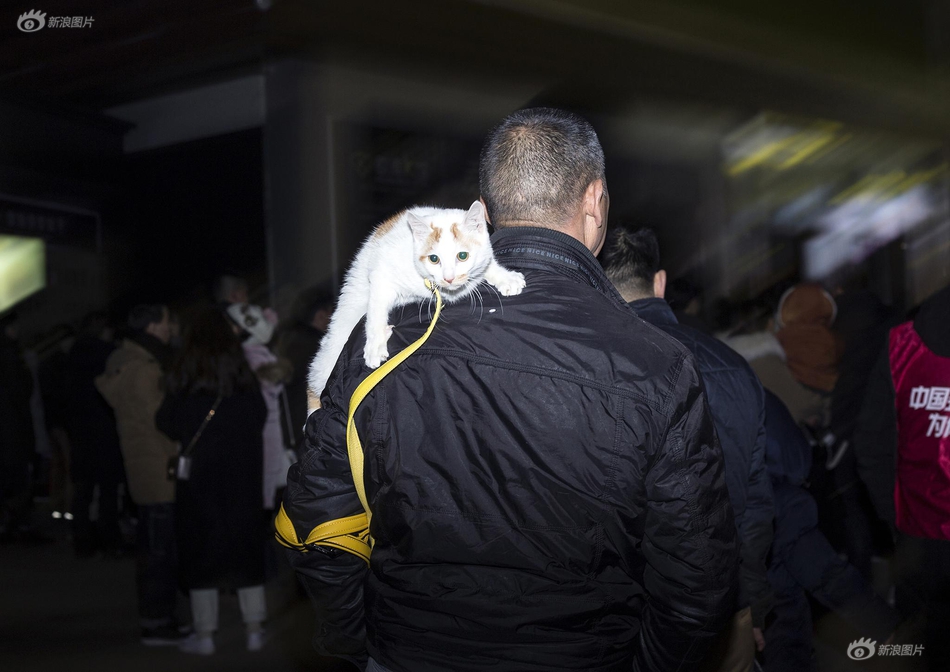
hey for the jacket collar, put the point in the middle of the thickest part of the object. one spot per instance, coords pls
(654, 311)
(153, 347)
(549, 250)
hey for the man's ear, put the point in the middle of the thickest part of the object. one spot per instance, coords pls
(659, 284)
(592, 199)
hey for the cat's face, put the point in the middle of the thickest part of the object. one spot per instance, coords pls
(452, 247)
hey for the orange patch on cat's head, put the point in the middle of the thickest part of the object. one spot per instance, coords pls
(388, 225)
(434, 237)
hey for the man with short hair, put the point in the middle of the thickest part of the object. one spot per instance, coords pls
(546, 487)
(132, 385)
(737, 403)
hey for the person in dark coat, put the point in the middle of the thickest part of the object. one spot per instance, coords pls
(53, 380)
(96, 459)
(17, 441)
(545, 481)
(845, 510)
(902, 444)
(803, 560)
(737, 403)
(298, 344)
(214, 405)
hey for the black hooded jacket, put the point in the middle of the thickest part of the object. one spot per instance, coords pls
(875, 438)
(546, 486)
(737, 402)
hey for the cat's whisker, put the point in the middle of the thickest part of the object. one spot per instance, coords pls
(481, 304)
(497, 294)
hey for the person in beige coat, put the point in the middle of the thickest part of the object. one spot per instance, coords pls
(132, 385)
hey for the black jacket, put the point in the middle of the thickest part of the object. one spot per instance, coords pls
(875, 437)
(546, 486)
(219, 510)
(737, 403)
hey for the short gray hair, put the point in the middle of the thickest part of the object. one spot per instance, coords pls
(536, 165)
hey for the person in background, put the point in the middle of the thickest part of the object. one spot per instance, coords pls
(230, 289)
(96, 458)
(803, 560)
(737, 403)
(298, 344)
(804, 317)
(902, 444)
(847, 515)
(765, 354)
(214, 408)
(255, 333)
(54, 387)
(132, 385)
(17, 441)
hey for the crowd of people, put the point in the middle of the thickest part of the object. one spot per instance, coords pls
(168, 444)
(590, 477)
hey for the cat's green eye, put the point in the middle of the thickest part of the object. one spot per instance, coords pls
(434, 258)
(462, 256)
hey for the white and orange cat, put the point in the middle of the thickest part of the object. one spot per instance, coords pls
(448, 247)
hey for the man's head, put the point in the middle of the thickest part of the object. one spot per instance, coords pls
(152, 319)
(632, 262)
(545, 167)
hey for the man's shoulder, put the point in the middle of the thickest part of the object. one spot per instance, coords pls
(564, 327)
(709, 351)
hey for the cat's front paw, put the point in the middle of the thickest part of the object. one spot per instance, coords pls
(509, 283)
(377, 351)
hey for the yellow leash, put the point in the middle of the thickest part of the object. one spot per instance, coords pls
(352, 534)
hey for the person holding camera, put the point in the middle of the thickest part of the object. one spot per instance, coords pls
(131, 384)
(213, 407)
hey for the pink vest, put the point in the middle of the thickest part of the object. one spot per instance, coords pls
(922, 487)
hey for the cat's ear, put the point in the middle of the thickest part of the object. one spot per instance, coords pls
(475, 217)
(419, 226)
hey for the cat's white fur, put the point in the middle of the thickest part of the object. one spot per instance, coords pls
(390, 270)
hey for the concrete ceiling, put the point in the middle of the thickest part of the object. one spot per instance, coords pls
(875, 63)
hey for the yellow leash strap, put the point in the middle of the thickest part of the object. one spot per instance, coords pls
(347, 534)
(353, 446)
(351, 534)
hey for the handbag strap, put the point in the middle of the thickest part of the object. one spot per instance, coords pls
(354, 448)
(204, 423)
(290, 437)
